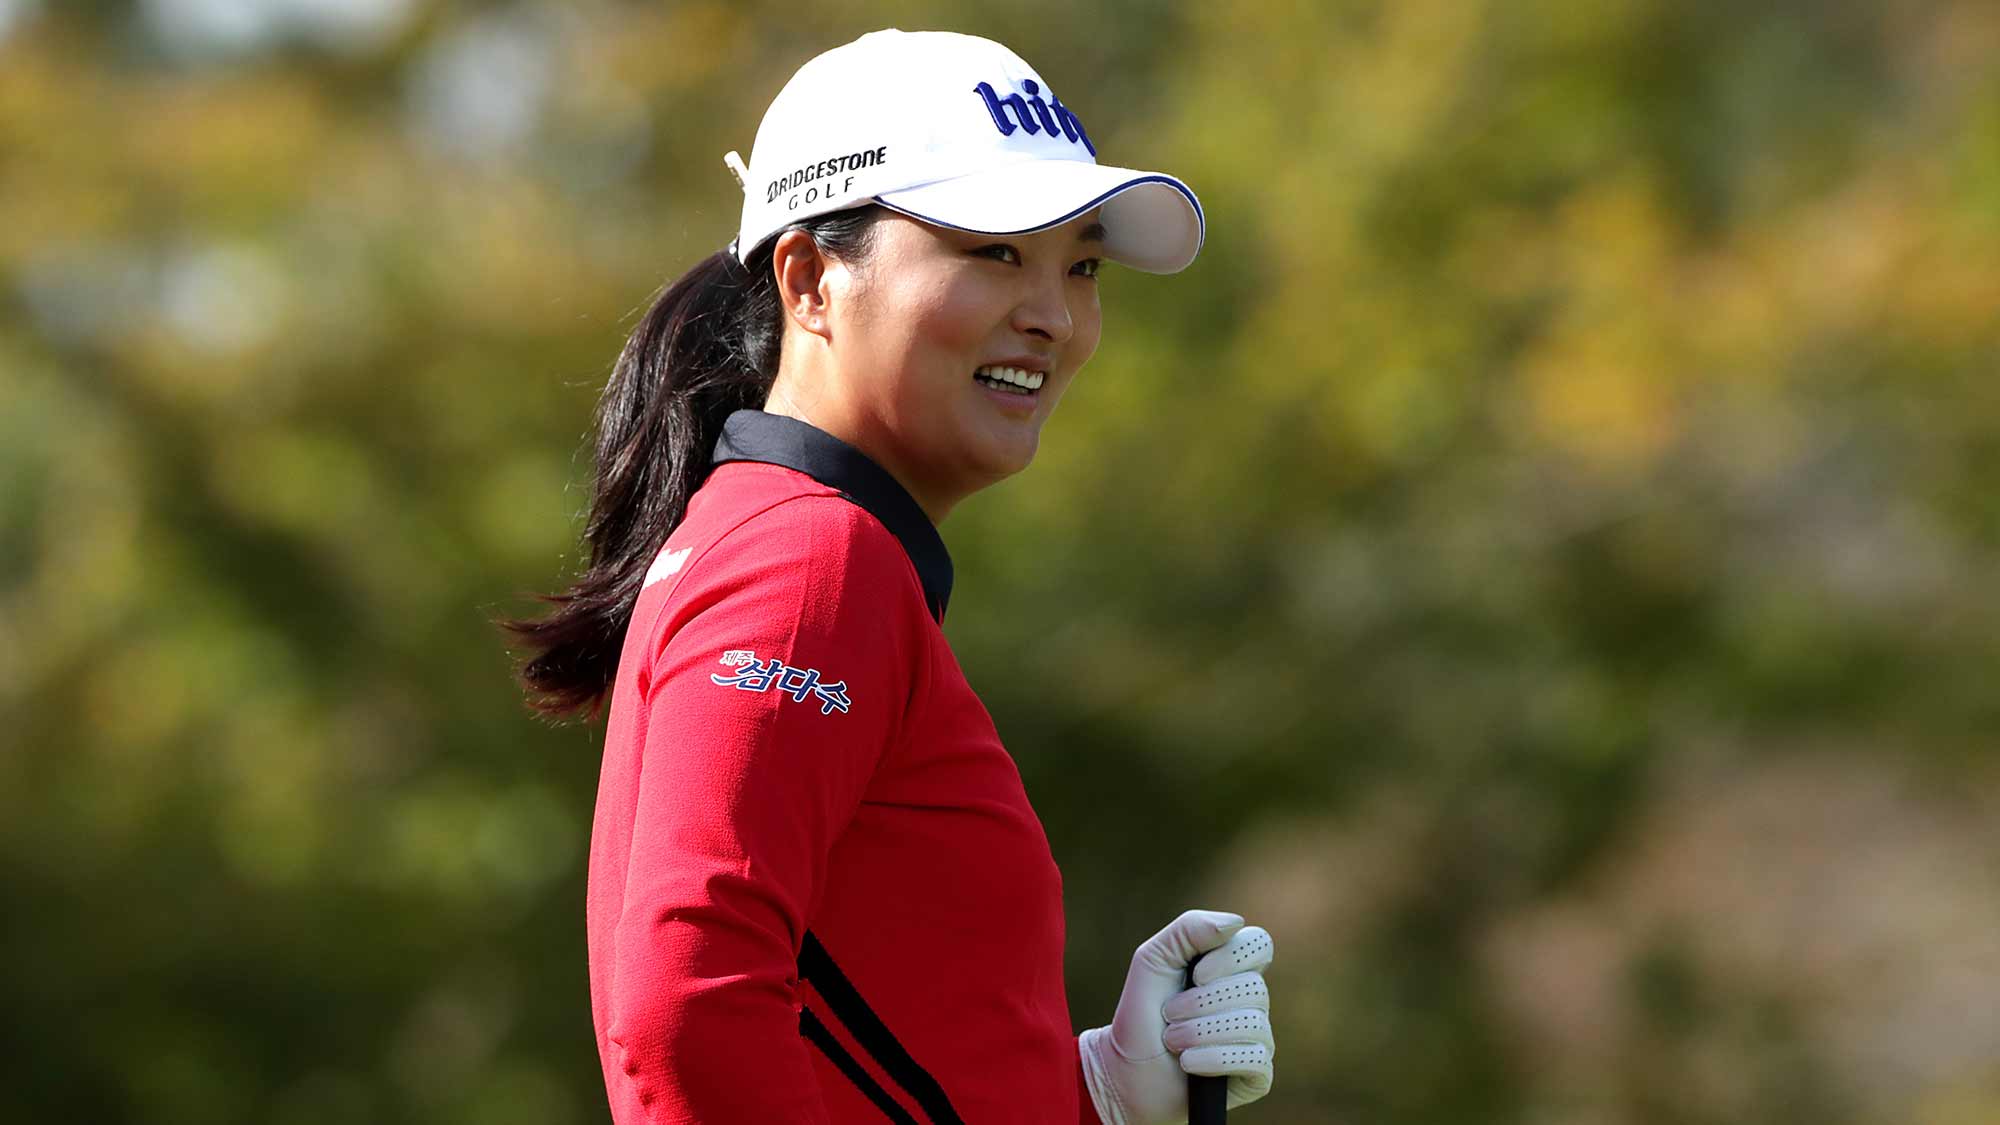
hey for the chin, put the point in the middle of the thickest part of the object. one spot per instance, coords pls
(1013, 456)
(990, 465)
(992, 449)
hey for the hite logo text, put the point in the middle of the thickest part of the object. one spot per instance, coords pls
(825, 169)
(1033, 114)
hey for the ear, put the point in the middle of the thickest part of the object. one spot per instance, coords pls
(801, 270)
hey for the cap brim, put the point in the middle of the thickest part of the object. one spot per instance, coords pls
(1152, 221)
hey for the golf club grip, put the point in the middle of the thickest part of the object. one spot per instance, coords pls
(1208, 1094)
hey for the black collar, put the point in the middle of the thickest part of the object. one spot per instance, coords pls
(753, 435)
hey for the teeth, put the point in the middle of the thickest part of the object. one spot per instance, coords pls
(1032, 380)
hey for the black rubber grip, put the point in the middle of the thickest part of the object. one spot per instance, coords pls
(1208, 1094)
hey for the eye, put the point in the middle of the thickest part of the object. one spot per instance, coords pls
(1088, 267)
(1001, 252)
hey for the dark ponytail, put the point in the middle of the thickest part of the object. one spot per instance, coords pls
(707, 347)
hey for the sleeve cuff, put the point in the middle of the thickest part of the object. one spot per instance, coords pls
(1086, 1105)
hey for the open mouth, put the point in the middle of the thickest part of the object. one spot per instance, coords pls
(1011, 380)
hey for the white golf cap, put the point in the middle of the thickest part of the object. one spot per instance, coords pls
(957, 131)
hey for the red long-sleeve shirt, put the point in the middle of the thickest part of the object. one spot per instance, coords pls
(817, 890)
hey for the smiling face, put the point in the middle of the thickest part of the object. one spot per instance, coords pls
(890, 360)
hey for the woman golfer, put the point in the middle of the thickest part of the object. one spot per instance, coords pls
(817, 890)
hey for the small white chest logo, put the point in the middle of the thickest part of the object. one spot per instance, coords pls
(668, 563)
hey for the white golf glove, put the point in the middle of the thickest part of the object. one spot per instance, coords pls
(1137, 1068)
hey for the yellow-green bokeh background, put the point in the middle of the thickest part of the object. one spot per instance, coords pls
(1540, 560)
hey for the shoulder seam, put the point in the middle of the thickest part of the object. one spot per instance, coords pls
(867, 517)
(689, 567)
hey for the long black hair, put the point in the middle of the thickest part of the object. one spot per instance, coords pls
(709, 345)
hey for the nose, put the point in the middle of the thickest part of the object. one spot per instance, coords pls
(1043, 309)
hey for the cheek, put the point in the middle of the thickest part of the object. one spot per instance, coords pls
(1087, 317)
(877, 326)
(957, 317)
(915, 317)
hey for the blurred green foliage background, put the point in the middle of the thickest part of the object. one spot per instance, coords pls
(1539, 561)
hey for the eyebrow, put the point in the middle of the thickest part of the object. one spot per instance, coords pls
(1092, 233)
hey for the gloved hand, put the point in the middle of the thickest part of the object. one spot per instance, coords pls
(1136, 1068)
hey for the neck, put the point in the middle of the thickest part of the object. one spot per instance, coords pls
(810, 394)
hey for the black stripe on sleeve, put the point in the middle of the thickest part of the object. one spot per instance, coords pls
(874, 1037)
(811, 1028)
